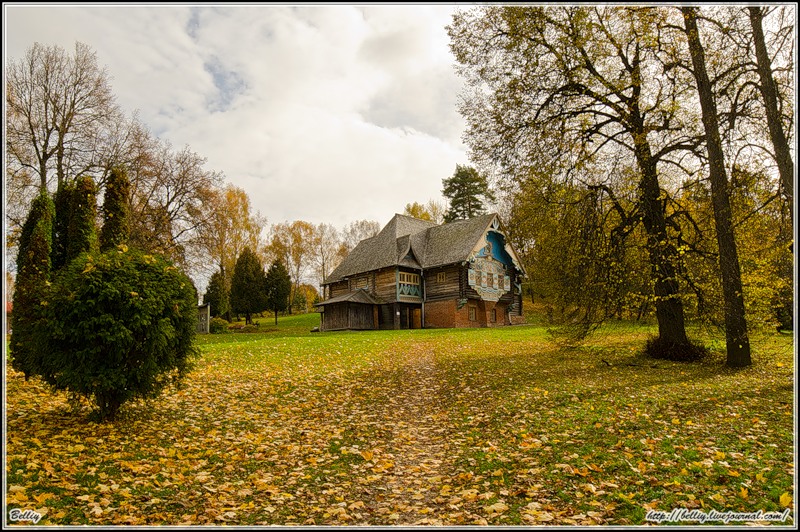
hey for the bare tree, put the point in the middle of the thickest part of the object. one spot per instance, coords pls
(355, 232)
(172, 196)
(325, 247)
(60, 107)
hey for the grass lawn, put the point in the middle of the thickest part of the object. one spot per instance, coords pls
(442, 427)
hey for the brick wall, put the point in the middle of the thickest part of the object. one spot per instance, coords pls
(440, 314)
(445, 314)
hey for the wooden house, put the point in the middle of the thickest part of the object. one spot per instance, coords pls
(417, 274)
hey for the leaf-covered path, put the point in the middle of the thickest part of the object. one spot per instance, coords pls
(413, 406)
(414, 427)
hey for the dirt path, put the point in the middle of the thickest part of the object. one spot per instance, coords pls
(419, 445)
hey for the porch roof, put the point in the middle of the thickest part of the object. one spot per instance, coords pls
(359, 296)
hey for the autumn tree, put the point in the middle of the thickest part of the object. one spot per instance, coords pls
(772, 103)
(566, 92)
(230, 225)
(417, 210)
(355, 232)
(737, 340)
(279, 287)
(293, 243)
(467, 192)
(433, 211)
(170, 196)
(248, 288)
(436, 209)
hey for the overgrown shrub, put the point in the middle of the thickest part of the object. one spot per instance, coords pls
(218, 326)
(119, 325)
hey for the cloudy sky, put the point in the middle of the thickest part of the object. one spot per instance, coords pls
(329, 113)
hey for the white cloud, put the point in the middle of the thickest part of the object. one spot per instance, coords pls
(322, 113)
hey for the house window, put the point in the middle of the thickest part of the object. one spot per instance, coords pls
(494, 315)
(441, 277)
(409, 278)
(473, 312)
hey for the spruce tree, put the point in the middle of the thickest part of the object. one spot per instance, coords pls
(33, 276)
(278, 288)
(63, 205)
(248, 286)
(116, 218)
(218, 295)
(82, 230)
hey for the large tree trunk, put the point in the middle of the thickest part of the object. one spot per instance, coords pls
(663, 255)
(737, 341)
(783, 154)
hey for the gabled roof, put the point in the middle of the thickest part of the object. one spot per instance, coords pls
(450, 243)
(414, 243)
(382, 250)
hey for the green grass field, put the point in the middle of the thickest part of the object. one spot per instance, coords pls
(443, 427)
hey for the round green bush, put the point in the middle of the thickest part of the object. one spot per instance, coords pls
(218, 326)
(120, 325)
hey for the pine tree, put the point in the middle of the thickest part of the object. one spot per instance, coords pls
(465, 189)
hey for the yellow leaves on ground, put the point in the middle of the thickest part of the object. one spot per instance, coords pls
(786, 500)
(408, 428)
(367, 455)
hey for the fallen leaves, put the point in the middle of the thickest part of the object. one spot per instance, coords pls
(786, 500)
(480, 427)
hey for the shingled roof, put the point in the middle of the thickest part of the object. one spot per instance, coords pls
(419, 244)
(359, 296)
